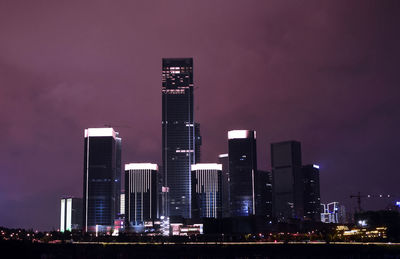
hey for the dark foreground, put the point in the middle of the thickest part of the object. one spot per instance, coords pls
(20, 249)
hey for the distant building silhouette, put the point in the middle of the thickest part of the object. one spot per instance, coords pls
(71, 214)
(180, 134)
(312, 199)
(224, 161)
(206, 190)
(242, 172)
(287, 180)
(264, 194)
(140, 193)
(102, 179)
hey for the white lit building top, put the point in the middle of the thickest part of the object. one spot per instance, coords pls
(223, 155)
(141, 166)
(316, 166)
(207, 166)
(100, 132)
(240, 134)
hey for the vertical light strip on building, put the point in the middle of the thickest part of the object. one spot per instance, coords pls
(87, 184)
(69, 215)
(215, 193)
(62, 223)
(134, 184)
(149, 182)
(141, 190)
(128, 197)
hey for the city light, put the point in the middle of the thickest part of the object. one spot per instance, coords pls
(206, 166)
(362, 223)
(141, 166)
(239, 134)
(100, 132)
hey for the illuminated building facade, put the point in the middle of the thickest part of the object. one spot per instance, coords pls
(287, 180)
(71, 214)
(180, 134)
(207, 191)
(242, 172)
(140, 193)
(333, 213)
(102, 179)
(312, 200)
(224, 161)
(179, 229)
(122, 204)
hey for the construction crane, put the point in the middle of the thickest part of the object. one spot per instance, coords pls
(359, 196)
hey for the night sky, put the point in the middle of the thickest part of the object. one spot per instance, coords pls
(325, 73)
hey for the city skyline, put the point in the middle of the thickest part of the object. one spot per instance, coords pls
(322, 75)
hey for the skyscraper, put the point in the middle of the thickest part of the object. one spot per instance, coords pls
(242, 172)
(206, 190)
(140, 193)
(71, 214)
(224, 161)
(312, 200)
(180, 144)
(264, 194)
(288, 185)
(102, 179)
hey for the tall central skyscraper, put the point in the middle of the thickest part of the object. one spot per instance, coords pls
(180, 134)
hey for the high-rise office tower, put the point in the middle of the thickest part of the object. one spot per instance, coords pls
(140, 193)
(71, 214)
(264, 194)
(102, 179)
(180, 144)
(287, 180)
(242, 172)
(224, 161)
(312, 199)
(206, 190)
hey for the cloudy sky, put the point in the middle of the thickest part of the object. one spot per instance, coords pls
(324, 73)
